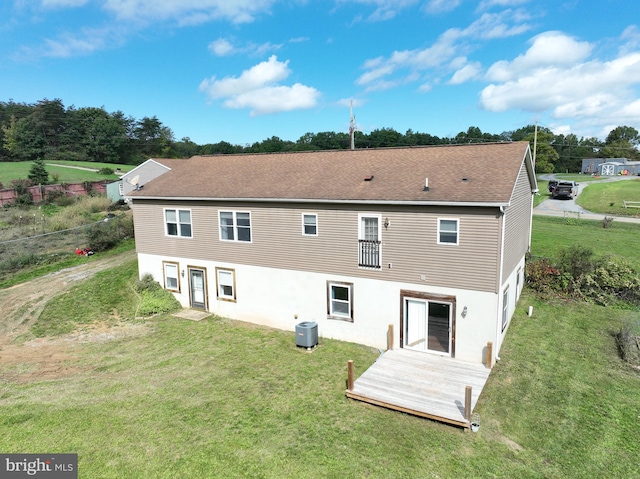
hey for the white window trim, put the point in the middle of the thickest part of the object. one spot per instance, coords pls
(457, 220)
(164, 271)
(219, 293)
(235, 226)
(121, 188)
(360, 225)
(505, 309)
(304, 233)
(330, 313)
(166, 223)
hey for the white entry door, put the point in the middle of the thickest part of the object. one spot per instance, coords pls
(427, 326)
(198, 289)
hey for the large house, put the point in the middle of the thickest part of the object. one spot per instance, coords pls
(431, 240)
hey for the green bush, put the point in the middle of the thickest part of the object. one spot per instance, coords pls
(105, 171)
(628, 340)
(154, 299)
(157, 301)
(108, 233)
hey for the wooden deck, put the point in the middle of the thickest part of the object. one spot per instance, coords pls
(421, 384)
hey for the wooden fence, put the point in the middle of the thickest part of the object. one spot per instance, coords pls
(39, 193)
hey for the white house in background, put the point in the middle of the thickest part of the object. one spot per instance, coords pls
(429, 239)
(137, 177)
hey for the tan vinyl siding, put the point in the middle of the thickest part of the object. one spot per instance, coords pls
(409, 244)
(517, 220)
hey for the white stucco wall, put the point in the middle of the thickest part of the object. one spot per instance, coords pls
(283, 298)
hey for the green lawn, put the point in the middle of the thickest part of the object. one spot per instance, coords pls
(14, 170)
(551, 234)
(169, 398)
(221, 398)
(607, 198)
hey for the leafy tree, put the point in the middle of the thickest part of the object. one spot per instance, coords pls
(23, 140)
(152, 137)
(622, 142)
(384, 137)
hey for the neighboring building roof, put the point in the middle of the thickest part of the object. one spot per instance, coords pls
(166, 162)
(457, 174)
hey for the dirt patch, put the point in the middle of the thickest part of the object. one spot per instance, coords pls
(51, 358)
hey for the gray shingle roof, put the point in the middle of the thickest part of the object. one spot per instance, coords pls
(476, 173)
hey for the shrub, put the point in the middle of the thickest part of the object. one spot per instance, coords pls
(628, 340)
(542, 277)
(612, 282)
(577, 261)
(108, 233)
(147, 283)
(154, 299)
(105, 171)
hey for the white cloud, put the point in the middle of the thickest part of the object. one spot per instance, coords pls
(257, 89)
(63, 3)
(439, 55)
(441, 6)
(556, 75)
(223, 47)
(188, 12)
(275, 99)
(548, 49)
(84, 42)
(486, 4)
(385, 9)
(470, 71)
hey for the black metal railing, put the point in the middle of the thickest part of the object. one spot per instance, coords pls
(369, 254)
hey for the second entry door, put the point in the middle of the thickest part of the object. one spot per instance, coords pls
(198, 289)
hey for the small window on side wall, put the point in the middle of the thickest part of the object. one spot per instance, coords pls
(310, 224)
(171, 276)
(226, 279)
(448, 231)
(340, 300)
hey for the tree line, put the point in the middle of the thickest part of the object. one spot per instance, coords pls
(47, 130)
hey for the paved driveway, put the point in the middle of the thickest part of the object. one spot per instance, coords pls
(562, 207)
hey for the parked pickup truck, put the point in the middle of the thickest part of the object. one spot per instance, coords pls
(563, 189)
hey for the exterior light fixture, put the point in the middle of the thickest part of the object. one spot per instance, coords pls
(464, 312)
(386, 223)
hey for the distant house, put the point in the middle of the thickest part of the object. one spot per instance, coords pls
(430, 239)
(137, 177)
(610, 166)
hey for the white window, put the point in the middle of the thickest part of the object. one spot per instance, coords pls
(369, 241)
(171, 276)
(226, 284)
(178, 222)
(235, 226)
(121, 188)
(447, 231)
(505, 308)
(340, 300)
(310, 224)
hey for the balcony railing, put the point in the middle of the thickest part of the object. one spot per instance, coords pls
(369, 254)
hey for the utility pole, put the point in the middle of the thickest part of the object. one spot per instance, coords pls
(535, 144)
(352, 127)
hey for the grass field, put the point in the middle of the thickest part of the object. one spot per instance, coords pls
(551, 234)
(168, 397)
(10, 171)
(603, 198)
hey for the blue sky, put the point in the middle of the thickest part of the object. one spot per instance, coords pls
(245, 70)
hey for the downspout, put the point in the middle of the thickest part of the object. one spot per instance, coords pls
(499, 292)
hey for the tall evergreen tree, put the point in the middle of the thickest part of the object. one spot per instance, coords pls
(38, 174)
